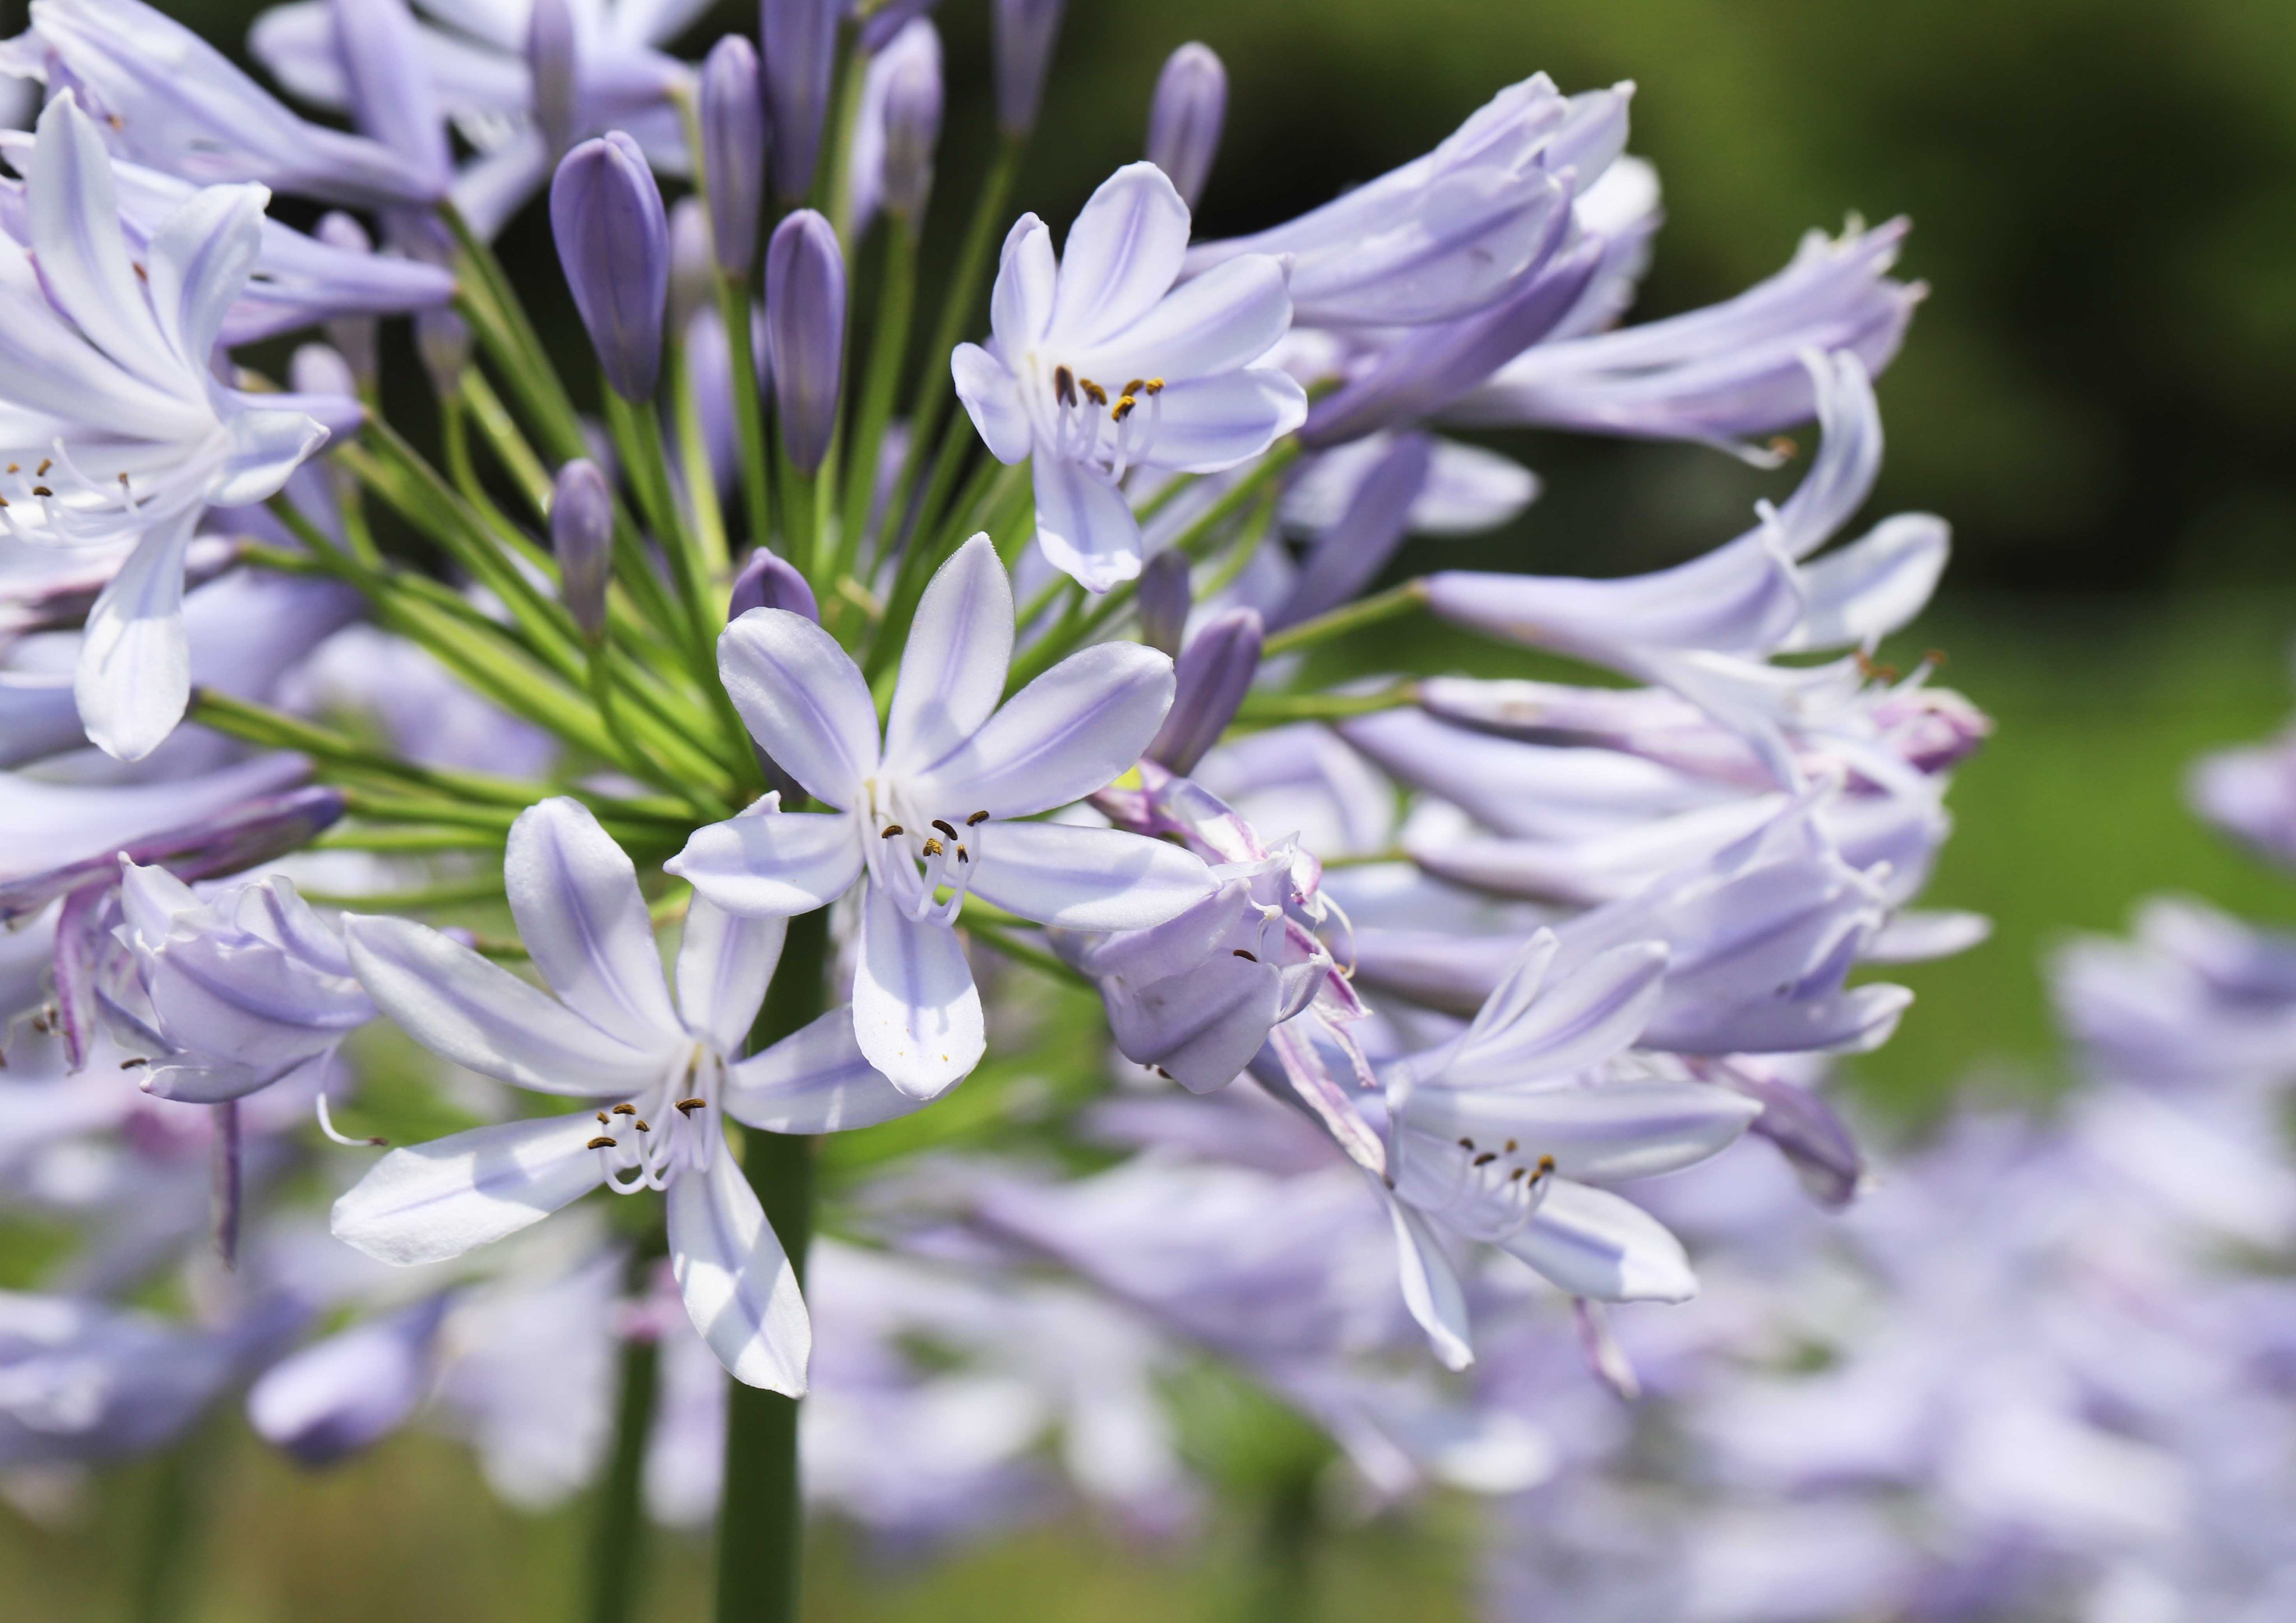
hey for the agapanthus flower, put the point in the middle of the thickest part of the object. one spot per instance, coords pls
(120, 430)
(945, 797)
(613, 1031)
(1100, 366)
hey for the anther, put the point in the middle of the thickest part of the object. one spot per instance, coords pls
(1486, 1158)
(1063, 386)
(601, 1119)
(1246, 956)
(688, 1106)
(1516, 1175)
(15, 467)
(41, 471)
(1546, 1165)
(601, 1143)
(1093, 391)
(1132, 388)
(1123, 408)
(944, 828)
(1466, 1144)
(42, 490)
(963, 855)
(1782, 447)
(1510, 1146)
(892, 828)
(626, 1110)
(132, 1064)
(976, 818)
(644, 1128)
(1155, 386)
(932, 847)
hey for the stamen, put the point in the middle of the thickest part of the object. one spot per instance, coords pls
(132, 1064)
(1155, 386)
(1510, 1146)
(1466, 1144)
(977, 818)
(1063, 388)
(1132, 388)
(1517, 1174)
(599, 1142)
(1485, 1158)
(963, 855)
(1093, 391)
(1124, 408)
(327, 1125)
(944, 828)
(625, 1109)
(892, 828)
(644, 1128)
(42, 489)
(41, 471)
(601, 1119)
(932, 847)
(1246, 956)
(688, 1106)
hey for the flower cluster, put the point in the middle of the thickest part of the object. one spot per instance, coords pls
(928, 706)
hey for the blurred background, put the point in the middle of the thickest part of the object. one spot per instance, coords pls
(2100, 394)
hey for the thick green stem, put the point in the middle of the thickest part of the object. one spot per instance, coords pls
(761, 1517)
(619, 1540)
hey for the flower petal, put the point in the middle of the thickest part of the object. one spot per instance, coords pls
(74, 218)
(1020, 308)
(814, 1080)
(266, 446)
(992, 398)
(1578, 1022)
(134, 674)
(725, 963)
(198, 264)
(479, 1014)
(771, 864)
(575, 895)
(428, 1203)
(953, 669)
(1069, 732)
(1618, 1130)
(1593, 1243)
(1430, 1285)
(917, 1013)
(1225, 319)
(1085, 527)
(1121, 256)
(1863, 592)
(1216, 423)
(1078, 878)
(803, 700)
(740, 1290)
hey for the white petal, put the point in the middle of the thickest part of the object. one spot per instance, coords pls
(814, 1080)
(725, 963)
(772, 863)
(134, 674)
(479, 1014)
(992, 398)
(428, 1203)
(917, 1013)
(953, 669)
(575, 895)
(1867, 590)
(1078, 878)
(803, 700)
(74, 218)
(1085, 527)
(265, 448)
(1020, 308)
(1582, 1019)
(1121, 256)
(1624, 1129)
(1592, 1243)
(199, 262)
(1218, 422)
(1225, 319)
(1430, 1286)
(739, 1287)
(1071, 731)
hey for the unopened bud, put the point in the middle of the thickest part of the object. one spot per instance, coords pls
(1025, 32)
(798, 45)
(1211, 677)
(770, 582)
(320, 369)
(734, 140)
(582, 535)
(693, 271)
(805, 317)
(613, 243)
(912, 114)
(554, 63)
(354, 335)
(1185, 119)
(443, 342)
(1164, 599)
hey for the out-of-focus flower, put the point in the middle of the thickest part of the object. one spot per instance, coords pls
(1184, 117)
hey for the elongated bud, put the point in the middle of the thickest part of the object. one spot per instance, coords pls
(390, 90)
(1164, 599)
(354, 335)
(734, 140)
(1212, 675)
(1185, 119)
(798, 45)
(320, 369)
(805, 315)
(889, 18)
(693, 269)
(913, 110)
(553, 60)
(582, 535)
(1354, 550)
(443, 343)
(613, 243)
(770, 582)
(1025, 32)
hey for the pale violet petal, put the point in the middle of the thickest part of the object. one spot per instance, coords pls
(1072, 877)
(917, 1013)
(1216, 423)
(1020, 308)
(1223, 320)
(803, 699)
(265, 448)
(1084, 526)
(575, 895)
(739, 1287)
(428, 1203)
(1200, 1026)
(199, 262)
(992, 398)
(954, 665)
(1430, 1286)
(74, 218)
(1122, 255)
(814, 1080)
(1870, 587)
(725, 963)
(1595, 1244)
(135, 674)
(1626, 1129)
(479, 1014)
(1580, 1021)
(1069, 733)
(772, 863)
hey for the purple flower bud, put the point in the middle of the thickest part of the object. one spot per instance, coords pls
(1352, 552)
(1164, 599)
(318, 369)
(1211, 676)
(443, 342)
(390, 89)
(1185, 119)
(354, 335)
(693, 269)
(913, 110)
(1025, 32)
(799, 42)
(338, 1395)
(734, 140)
(553, 59)
(582, 535)
(889, 19)
(805, 317)
(770, 582)
(613, 241)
